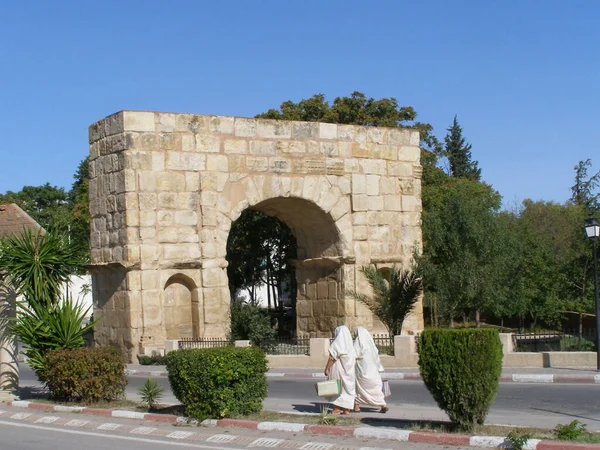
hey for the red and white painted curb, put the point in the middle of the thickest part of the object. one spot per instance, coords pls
(357, 432)
(415, 376)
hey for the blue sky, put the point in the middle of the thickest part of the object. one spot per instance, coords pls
(522, 76)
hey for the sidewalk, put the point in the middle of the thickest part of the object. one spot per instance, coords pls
(520, 375)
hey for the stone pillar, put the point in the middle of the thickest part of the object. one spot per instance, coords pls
(405, 351)
(507, 343)
(9, 368)
(171, 345)
(319, 352)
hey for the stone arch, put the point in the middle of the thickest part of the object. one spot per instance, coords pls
(181, 309)
(319, 274)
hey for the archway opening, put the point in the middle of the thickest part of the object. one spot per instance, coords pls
(283, 255)
(260, 251)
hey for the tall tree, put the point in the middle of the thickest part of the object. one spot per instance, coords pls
(459, 154)
(46, 204)
(583, 191)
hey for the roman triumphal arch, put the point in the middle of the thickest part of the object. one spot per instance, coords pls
(165, 188)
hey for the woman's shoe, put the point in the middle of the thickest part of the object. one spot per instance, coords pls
(336, 411)
(384, 409)
(356, 408)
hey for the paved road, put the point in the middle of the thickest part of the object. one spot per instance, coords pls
(541, 405)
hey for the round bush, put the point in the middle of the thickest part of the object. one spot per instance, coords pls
(218, 382)
(461, 369)
(86, 374)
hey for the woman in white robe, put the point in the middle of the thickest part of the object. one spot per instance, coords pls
(341, 366)
(368, 365)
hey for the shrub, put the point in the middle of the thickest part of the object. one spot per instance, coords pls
(218, 382)
(570, 432)
(461, 369)
(86, 375)
(45, 328)
(151, 393)
(249, 322)
(156, 359)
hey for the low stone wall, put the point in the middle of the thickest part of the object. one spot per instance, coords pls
(406, 356)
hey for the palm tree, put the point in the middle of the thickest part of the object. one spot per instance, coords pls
(393, 298)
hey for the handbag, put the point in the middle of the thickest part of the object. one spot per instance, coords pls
(385, 387)
(330, 388)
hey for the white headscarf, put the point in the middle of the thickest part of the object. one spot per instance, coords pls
(364, 344)
(342, 344)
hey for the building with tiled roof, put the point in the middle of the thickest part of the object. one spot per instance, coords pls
(13, 220)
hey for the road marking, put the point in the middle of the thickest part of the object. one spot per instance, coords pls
(109, 426)
(113, 436)
(143, 430)
(20, 416)
(316, 446)
(180, 434)
(47, 419)
(265, 442)
(222, 438)
(76, 423)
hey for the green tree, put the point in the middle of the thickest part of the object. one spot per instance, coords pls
(459, 261)
(79, 203)
(583, 191)
(459, 154)
(47, 205)
(393, 297)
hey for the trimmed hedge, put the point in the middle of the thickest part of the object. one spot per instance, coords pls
(86, 374)
(218, 382)
(461, 369)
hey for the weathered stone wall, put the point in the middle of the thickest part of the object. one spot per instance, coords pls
(165, 188)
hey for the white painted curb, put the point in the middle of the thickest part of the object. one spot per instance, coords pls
(281, 426)
(62, 408)
(526, 378)
(488, 441)
(20, 404)
(127, 414)
(397, 435)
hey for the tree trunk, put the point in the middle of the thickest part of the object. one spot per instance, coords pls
(477, 318)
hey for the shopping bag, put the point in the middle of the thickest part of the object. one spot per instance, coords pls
(330, 388)
(385, 387)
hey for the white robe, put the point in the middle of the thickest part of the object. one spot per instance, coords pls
(368, 365)
(342, 350)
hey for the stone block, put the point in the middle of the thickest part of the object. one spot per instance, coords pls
(346, 132)
(272, 129)
(138, 121)
(147, 181)
(167, 200)
(374, 166)
(372, 184)
(186, 218)
(263, 148)
(239, 146)
(147, 218)
(166, 122)
(192, 181)
(377, 135)
(192, 123)
(222, 124)
(185, 161)
(412, 154)
(257, 164)
(409, 203)
(360, 202)
(361, 233)
(208, 144)
(245, 127)
(359, 184)
(328, 130)
(305, 130)
(392, 202)
(218, 163)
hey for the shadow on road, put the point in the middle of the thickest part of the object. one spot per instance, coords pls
(317, 407)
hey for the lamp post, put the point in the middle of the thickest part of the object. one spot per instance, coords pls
(592, 229)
